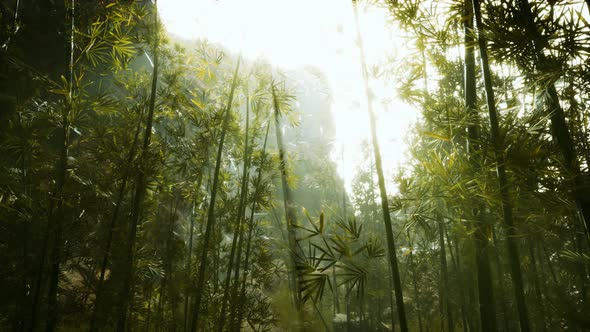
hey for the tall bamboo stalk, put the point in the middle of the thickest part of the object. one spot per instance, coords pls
(485, 286)
(501, 295)
(414, 280)
(211, 210)
(191, 288)
(190, 249)
(13, 28)
(140, 186)
(541, 325)
(20, 325)
(58, 216)
(559, 127)
(384, 201)
(513, 254)
(456, 266)
(107, 250)
(238, 224)
(445, 305)
(240, 302)
(290, 214)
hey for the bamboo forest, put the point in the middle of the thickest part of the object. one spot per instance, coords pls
(282, 165)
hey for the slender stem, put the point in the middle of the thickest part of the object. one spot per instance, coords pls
(513, 255)
(414, 281)
(14, 28)
(384, 201)
(211, 211)
(238, 226)
(290, 214)
(559, 127)
(485, 286)
(127, 289)
(107, 251)
(57, 218)
(190, 251)
(241, 300)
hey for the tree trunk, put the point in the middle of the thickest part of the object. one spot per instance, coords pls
(211, 211)
(401, 311)
(513, 255)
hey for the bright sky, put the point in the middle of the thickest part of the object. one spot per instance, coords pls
(295, 33)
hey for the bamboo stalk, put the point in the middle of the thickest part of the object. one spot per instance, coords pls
(241, 299)
(290, 214)
(211, 210)
(513, 254)
(127, 289)
(384, 200)
(238, 226)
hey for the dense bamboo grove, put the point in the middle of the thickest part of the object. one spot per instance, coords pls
(154, 184)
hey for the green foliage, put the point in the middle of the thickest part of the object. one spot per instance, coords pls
(446, 197)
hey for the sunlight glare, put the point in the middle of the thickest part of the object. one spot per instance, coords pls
(294, 34)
